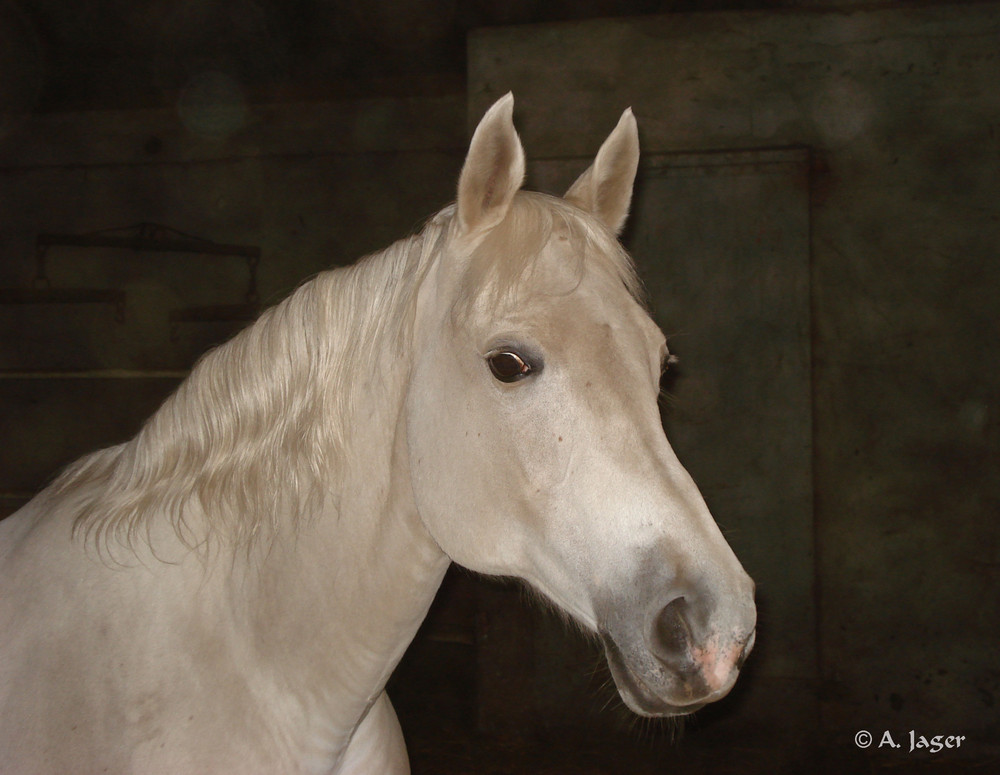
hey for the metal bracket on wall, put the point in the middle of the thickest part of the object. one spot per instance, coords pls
(44, 294)
(141, 237)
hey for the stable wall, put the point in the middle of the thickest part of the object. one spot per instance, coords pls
(883, 581)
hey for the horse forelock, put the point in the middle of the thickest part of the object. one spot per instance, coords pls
(502, 267)
(259, 431)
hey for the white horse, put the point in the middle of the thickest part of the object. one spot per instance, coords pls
(229, 591)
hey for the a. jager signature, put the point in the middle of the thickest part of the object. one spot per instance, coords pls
(917, 741)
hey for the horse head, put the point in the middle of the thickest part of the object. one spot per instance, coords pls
(534, 437)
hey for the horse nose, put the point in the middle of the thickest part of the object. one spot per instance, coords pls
(683, 639)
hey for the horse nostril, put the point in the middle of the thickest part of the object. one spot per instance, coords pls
(745, 651)
(672, 633)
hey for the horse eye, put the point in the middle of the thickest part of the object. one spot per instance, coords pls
(508, 366)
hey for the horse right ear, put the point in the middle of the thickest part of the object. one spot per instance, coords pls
(493, 169)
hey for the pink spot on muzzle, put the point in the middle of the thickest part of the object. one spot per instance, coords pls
(719, 665)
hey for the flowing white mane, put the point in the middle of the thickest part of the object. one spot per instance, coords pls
(261, 426)
(259, 423)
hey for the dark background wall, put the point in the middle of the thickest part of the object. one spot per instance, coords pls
(816, 222)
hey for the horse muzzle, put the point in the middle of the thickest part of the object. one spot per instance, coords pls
(675, 663)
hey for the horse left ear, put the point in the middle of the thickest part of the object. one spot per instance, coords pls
(493, 170)
(605, 189)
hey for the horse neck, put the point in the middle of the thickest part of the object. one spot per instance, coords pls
(338, 594)
(337, 601)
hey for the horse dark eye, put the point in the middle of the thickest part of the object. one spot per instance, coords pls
(508, 366)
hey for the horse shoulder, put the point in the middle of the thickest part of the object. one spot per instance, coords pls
(46, 721)
(103, 666)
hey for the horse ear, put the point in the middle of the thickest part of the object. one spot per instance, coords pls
(493, 170)
(605, 189)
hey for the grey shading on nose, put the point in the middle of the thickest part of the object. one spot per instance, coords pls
(683, 625)
(672, 638)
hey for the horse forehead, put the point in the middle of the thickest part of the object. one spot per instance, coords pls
(570, 296)
(599, 295)
(602, 313)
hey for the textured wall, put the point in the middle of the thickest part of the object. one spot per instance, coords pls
(899, 109)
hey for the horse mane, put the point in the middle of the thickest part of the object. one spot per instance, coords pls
(260, 428)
